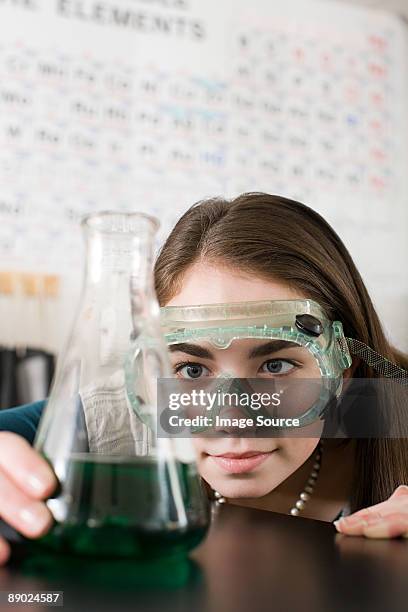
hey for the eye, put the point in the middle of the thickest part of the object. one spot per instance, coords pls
(191, 370)
(277, 366)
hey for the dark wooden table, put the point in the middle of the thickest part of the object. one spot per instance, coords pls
(251, 561)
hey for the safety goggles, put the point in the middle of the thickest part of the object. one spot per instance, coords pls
(307, 353)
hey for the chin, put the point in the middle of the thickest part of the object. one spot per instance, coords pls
(236, 488)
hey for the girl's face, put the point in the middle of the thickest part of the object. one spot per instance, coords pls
(239, 466)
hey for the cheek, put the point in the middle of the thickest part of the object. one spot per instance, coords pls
(199, 445)
(297, 450)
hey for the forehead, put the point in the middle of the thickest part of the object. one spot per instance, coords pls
(206, 283)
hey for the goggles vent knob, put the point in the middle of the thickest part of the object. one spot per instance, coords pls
(220, 342)
(309, 324)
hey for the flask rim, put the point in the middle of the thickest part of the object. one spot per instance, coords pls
(99, 222)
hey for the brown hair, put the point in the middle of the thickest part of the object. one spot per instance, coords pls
(280, 239)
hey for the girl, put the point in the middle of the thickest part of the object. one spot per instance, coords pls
(264, 247)
(257, 247)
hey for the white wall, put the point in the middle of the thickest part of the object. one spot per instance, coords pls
(152, 106)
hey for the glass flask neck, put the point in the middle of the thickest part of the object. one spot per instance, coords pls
(119, 244)
(119, 259)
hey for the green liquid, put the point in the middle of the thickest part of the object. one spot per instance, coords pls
(128, 508)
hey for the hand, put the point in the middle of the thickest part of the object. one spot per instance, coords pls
(25, 480)
(389, 519)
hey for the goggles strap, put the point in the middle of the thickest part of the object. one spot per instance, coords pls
(378, 362)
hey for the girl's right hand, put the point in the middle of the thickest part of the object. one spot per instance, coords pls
(25, 480)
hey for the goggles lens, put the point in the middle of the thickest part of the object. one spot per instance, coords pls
(248, 377)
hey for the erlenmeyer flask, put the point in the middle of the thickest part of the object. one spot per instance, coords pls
(123, 490)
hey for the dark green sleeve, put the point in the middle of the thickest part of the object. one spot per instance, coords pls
(22, 420)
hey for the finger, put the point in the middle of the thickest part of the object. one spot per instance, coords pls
(401, 491)
(393, 526)
(383, 508)
(29, 516)
(25, 467)
(4, 551)
(355, 523)
(376, 509)
(375, 525)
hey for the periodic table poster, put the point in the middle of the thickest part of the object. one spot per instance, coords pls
(154, 104)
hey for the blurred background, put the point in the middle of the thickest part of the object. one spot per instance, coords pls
(154, 104)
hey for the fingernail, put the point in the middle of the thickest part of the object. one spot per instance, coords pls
(34, 516)
(37, 484)
(347, 524)
(337, 525)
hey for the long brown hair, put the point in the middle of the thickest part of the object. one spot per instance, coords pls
(276, 238)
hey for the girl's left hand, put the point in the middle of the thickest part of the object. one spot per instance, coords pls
(389, 519)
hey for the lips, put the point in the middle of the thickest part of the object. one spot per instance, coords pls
(238, 463)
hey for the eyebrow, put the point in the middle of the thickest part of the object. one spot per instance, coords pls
(191, 349)
(259, 351)
(271, 347)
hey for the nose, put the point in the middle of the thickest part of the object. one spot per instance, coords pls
(235, 421)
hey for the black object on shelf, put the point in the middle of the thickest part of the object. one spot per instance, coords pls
(25, 376)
